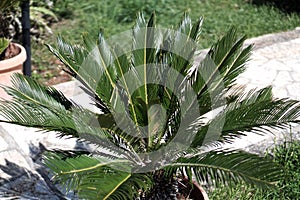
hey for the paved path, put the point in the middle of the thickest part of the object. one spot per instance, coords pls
(275, 61)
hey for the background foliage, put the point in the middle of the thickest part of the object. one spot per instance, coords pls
(115, 16)
(284, 5)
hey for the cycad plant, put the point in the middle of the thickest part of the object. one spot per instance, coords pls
(161, 114)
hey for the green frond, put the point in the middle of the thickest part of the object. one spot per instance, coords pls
(38, 106)
(220, 51)
(73, 57)
(144, 54)
(121, 61)
(132, 186)
(185, 25)
(82, 64)
(77, 124)
(144, 41)
(254, 113)
(217, 72)
(105, 69)
(257, 114)
(37, 117)
(223, 63)
(28, 90)
(96, 178)
(223, 167)
(83, 173)
(183, 44)
(36, 10)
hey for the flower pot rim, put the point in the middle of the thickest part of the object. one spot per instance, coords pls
(197, 192)
(14, 62)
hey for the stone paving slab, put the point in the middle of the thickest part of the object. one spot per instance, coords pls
(277, 65)
(275, 61)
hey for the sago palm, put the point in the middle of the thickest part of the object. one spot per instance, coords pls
(162, 113)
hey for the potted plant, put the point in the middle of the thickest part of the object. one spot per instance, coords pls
(12, 55)
(162, 115)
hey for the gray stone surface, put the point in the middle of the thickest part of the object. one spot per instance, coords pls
(22, 175)
(275, 61)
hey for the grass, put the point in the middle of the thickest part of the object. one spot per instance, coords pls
(118, 15)
(288, 156)
(115, 16)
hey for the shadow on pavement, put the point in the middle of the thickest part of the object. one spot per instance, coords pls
(19, 182)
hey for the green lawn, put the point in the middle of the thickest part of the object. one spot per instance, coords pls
(115, 16)
(118, 15)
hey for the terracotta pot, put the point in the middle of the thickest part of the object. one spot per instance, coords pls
(10, 66)
(198, 192)
(192, 190)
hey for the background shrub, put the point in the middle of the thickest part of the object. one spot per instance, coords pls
(284, 5)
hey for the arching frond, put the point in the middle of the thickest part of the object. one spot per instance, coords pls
(224, 167)
(254, 113)
(96, 178)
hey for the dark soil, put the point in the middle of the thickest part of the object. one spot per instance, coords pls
(53, 74)
(11, 51)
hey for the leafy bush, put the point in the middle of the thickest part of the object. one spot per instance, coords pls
(63, 8)
(41, 16)
(10, 19)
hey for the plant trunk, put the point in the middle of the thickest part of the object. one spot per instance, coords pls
(173, 188)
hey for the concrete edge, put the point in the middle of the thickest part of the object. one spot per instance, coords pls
(273, 38)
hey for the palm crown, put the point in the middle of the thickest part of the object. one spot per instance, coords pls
(153, 101)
